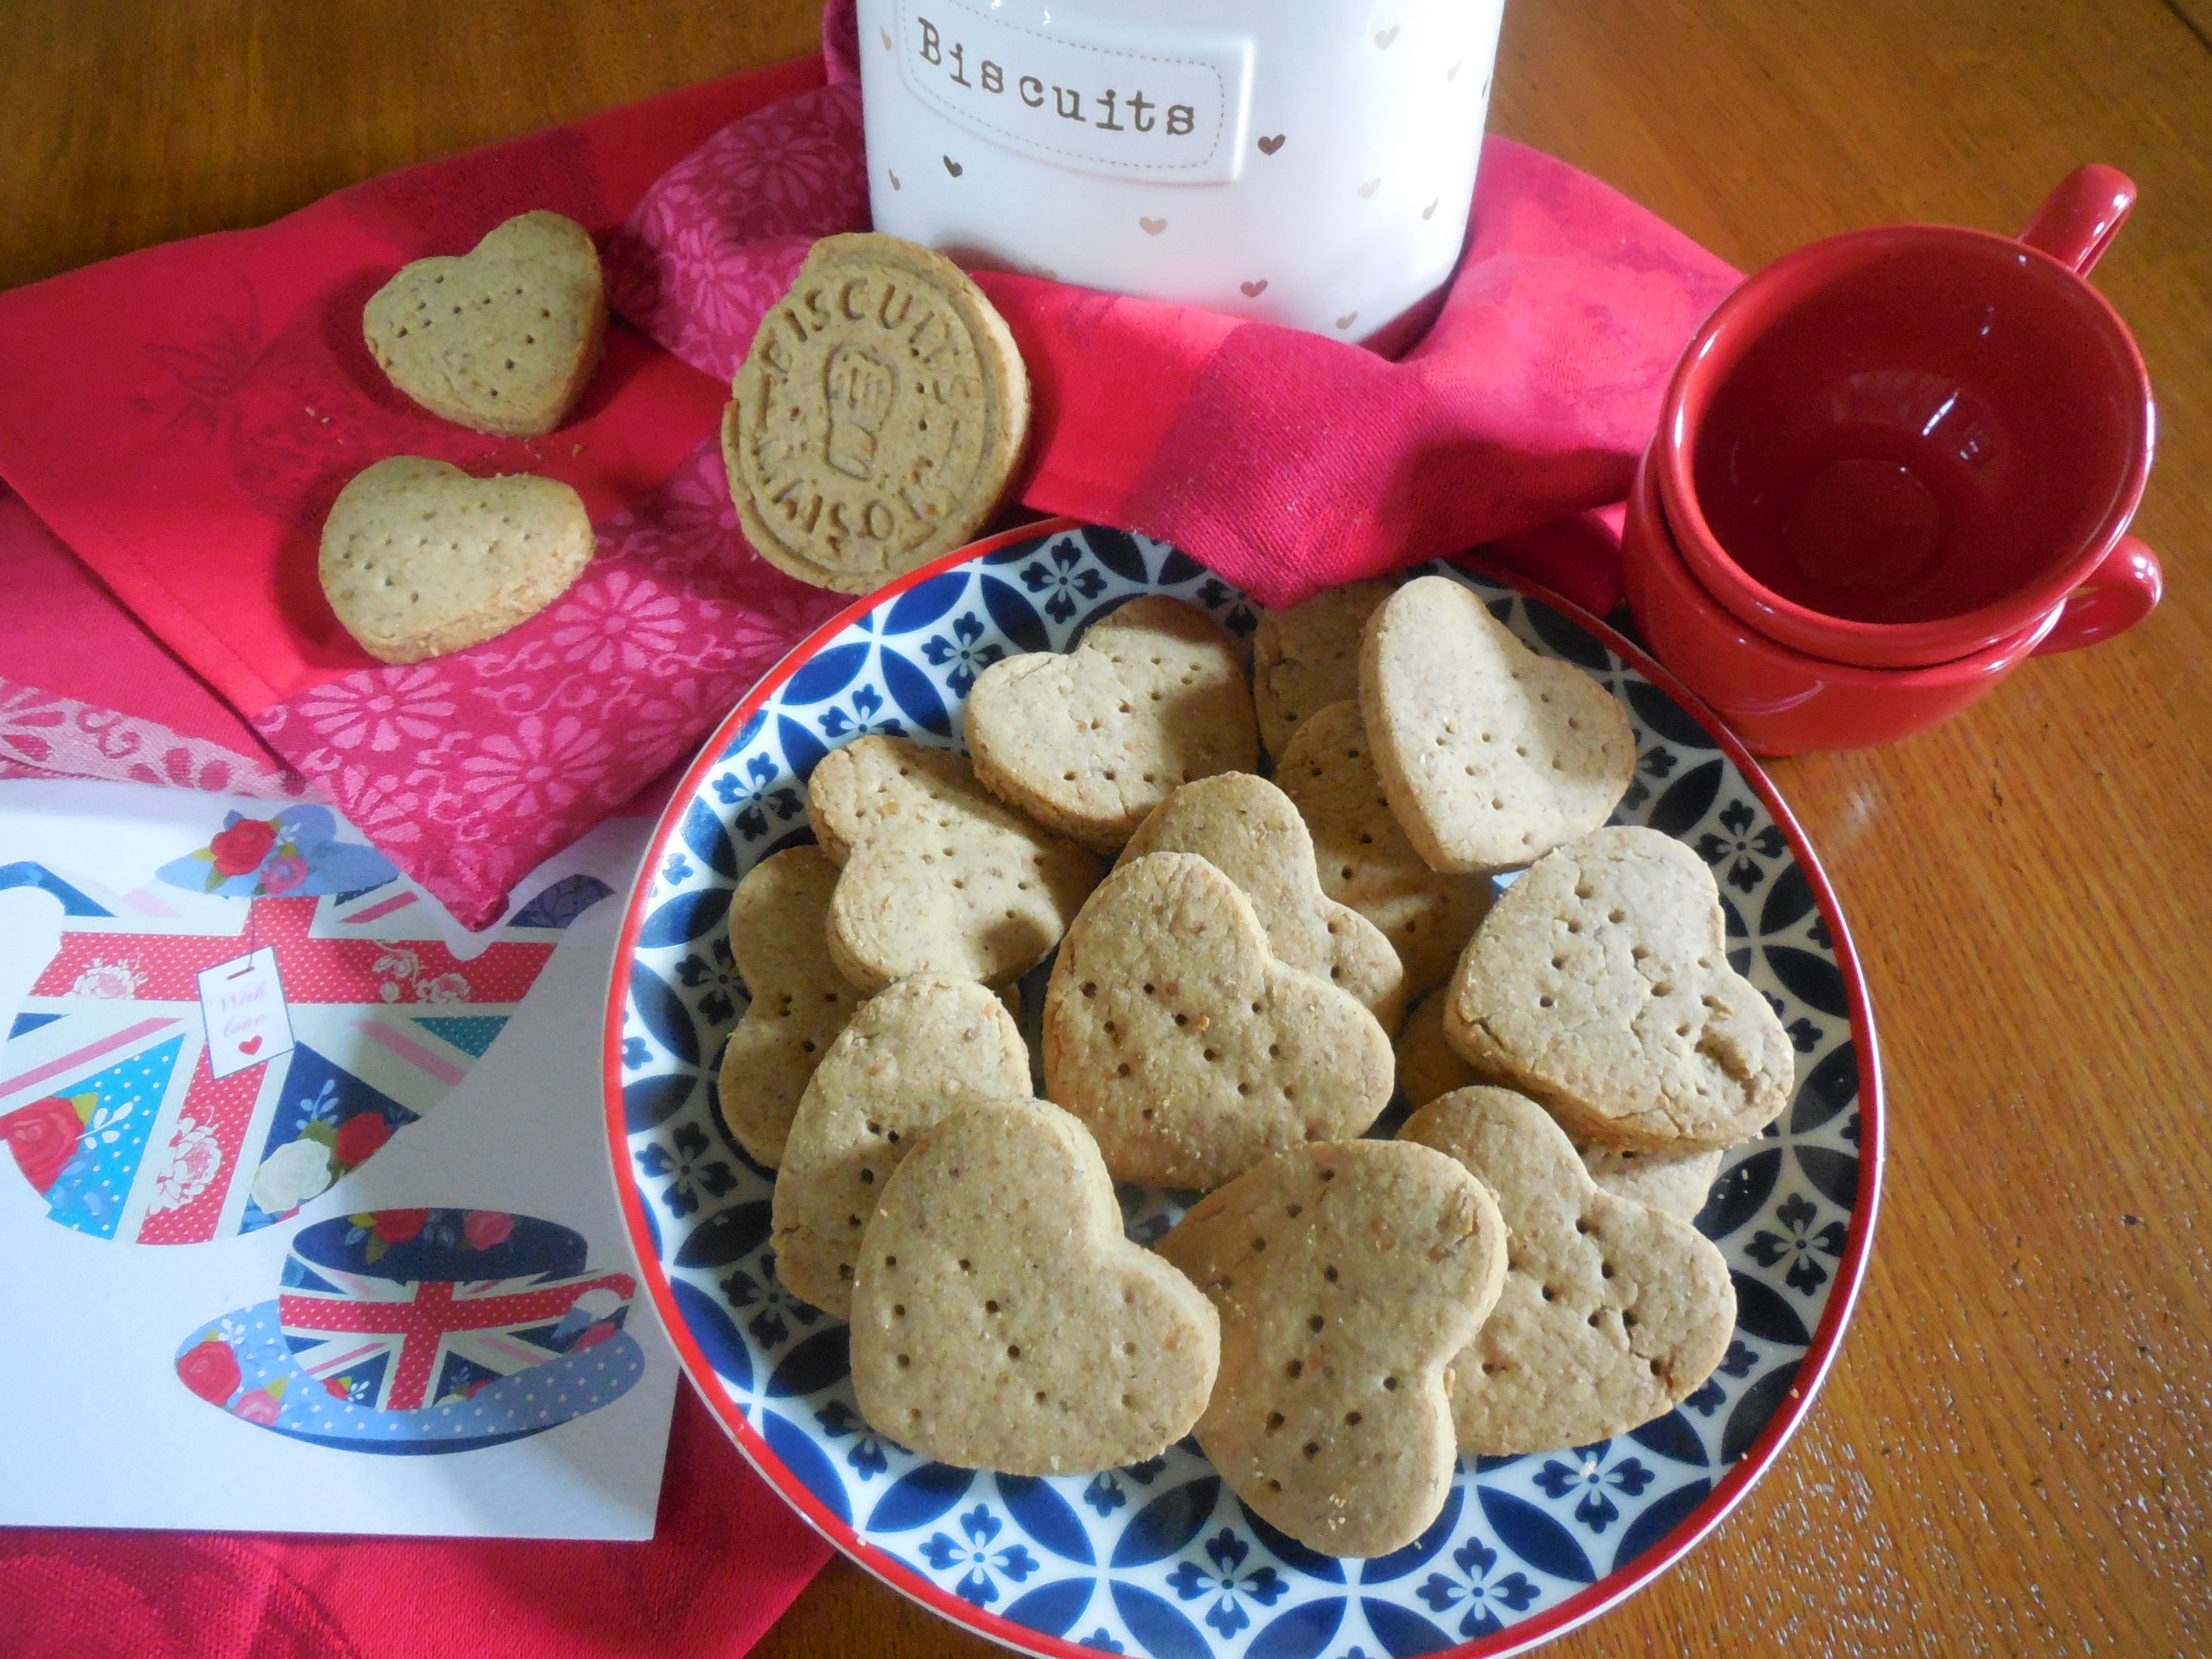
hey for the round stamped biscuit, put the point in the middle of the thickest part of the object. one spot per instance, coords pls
(878, 417)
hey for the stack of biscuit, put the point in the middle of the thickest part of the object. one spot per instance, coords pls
(1338, 1318)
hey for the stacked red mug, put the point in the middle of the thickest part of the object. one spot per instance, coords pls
(1891, 467)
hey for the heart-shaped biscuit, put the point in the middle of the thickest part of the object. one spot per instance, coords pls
(1427, 1064)
(916, 1052)
(1247, 830)
(1490, 755)
(1089, 743)
(800, 1002)
(1612, 1313)
(1346, 1277)
(1001, 1320)
(1187, 1048)
(418, 558)
(502, 338)
(1677, 1182)
(937, 877)
(1600, 985)
(1307, 657)
(1327, 769)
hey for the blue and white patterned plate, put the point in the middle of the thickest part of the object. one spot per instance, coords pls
(1161, 1559)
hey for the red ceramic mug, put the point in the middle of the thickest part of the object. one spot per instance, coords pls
(1905, 445)
(1779, 700)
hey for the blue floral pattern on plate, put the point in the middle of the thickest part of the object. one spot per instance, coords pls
(1161, 1559)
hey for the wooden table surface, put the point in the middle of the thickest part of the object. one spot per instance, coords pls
(2011, 1457)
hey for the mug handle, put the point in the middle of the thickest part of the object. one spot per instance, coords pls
(2120, 593)
(2077, 222)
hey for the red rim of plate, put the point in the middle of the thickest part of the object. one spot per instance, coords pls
(1578, 1608)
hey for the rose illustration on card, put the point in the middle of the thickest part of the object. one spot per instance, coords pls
(297, 852)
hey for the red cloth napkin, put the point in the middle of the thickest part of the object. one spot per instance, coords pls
(85, 692)
(1288, 462)
(184, 416)
(727, 1560)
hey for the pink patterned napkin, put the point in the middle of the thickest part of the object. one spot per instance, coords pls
(472, 769)
(188, 454)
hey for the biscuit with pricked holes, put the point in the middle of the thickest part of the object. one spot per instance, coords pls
(1678, 1182)
(1427, 1064)
(501, 339)
(1307, 657)
(800, 1002)
(1600, 985)
(1347, 1276)
(1613, 1312)
(418, 558)
(1490, 755)
(916, 1052)
(1361, 850)
(1247, 830)
(1087, 743)
(937, 877)
(1185, 1046)
(1001, 1320)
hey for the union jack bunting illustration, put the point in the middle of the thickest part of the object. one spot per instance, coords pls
(399, 1346)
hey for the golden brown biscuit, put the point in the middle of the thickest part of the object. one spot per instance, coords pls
(1490, 755)
(1247, 830)
(877, 417)
(800, 1002)
(1366, 861)
(1677, 1182)
(939, 877)
(501, 339)
(1000, 1320)
(1612, 1312)
(1087, 743)
(1308, 657)
(418, 558)
(1600, 985)
(916, 1052)
(1347, 1276)
(1187, 1048)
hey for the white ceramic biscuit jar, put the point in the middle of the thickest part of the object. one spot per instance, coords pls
(1308, 162)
